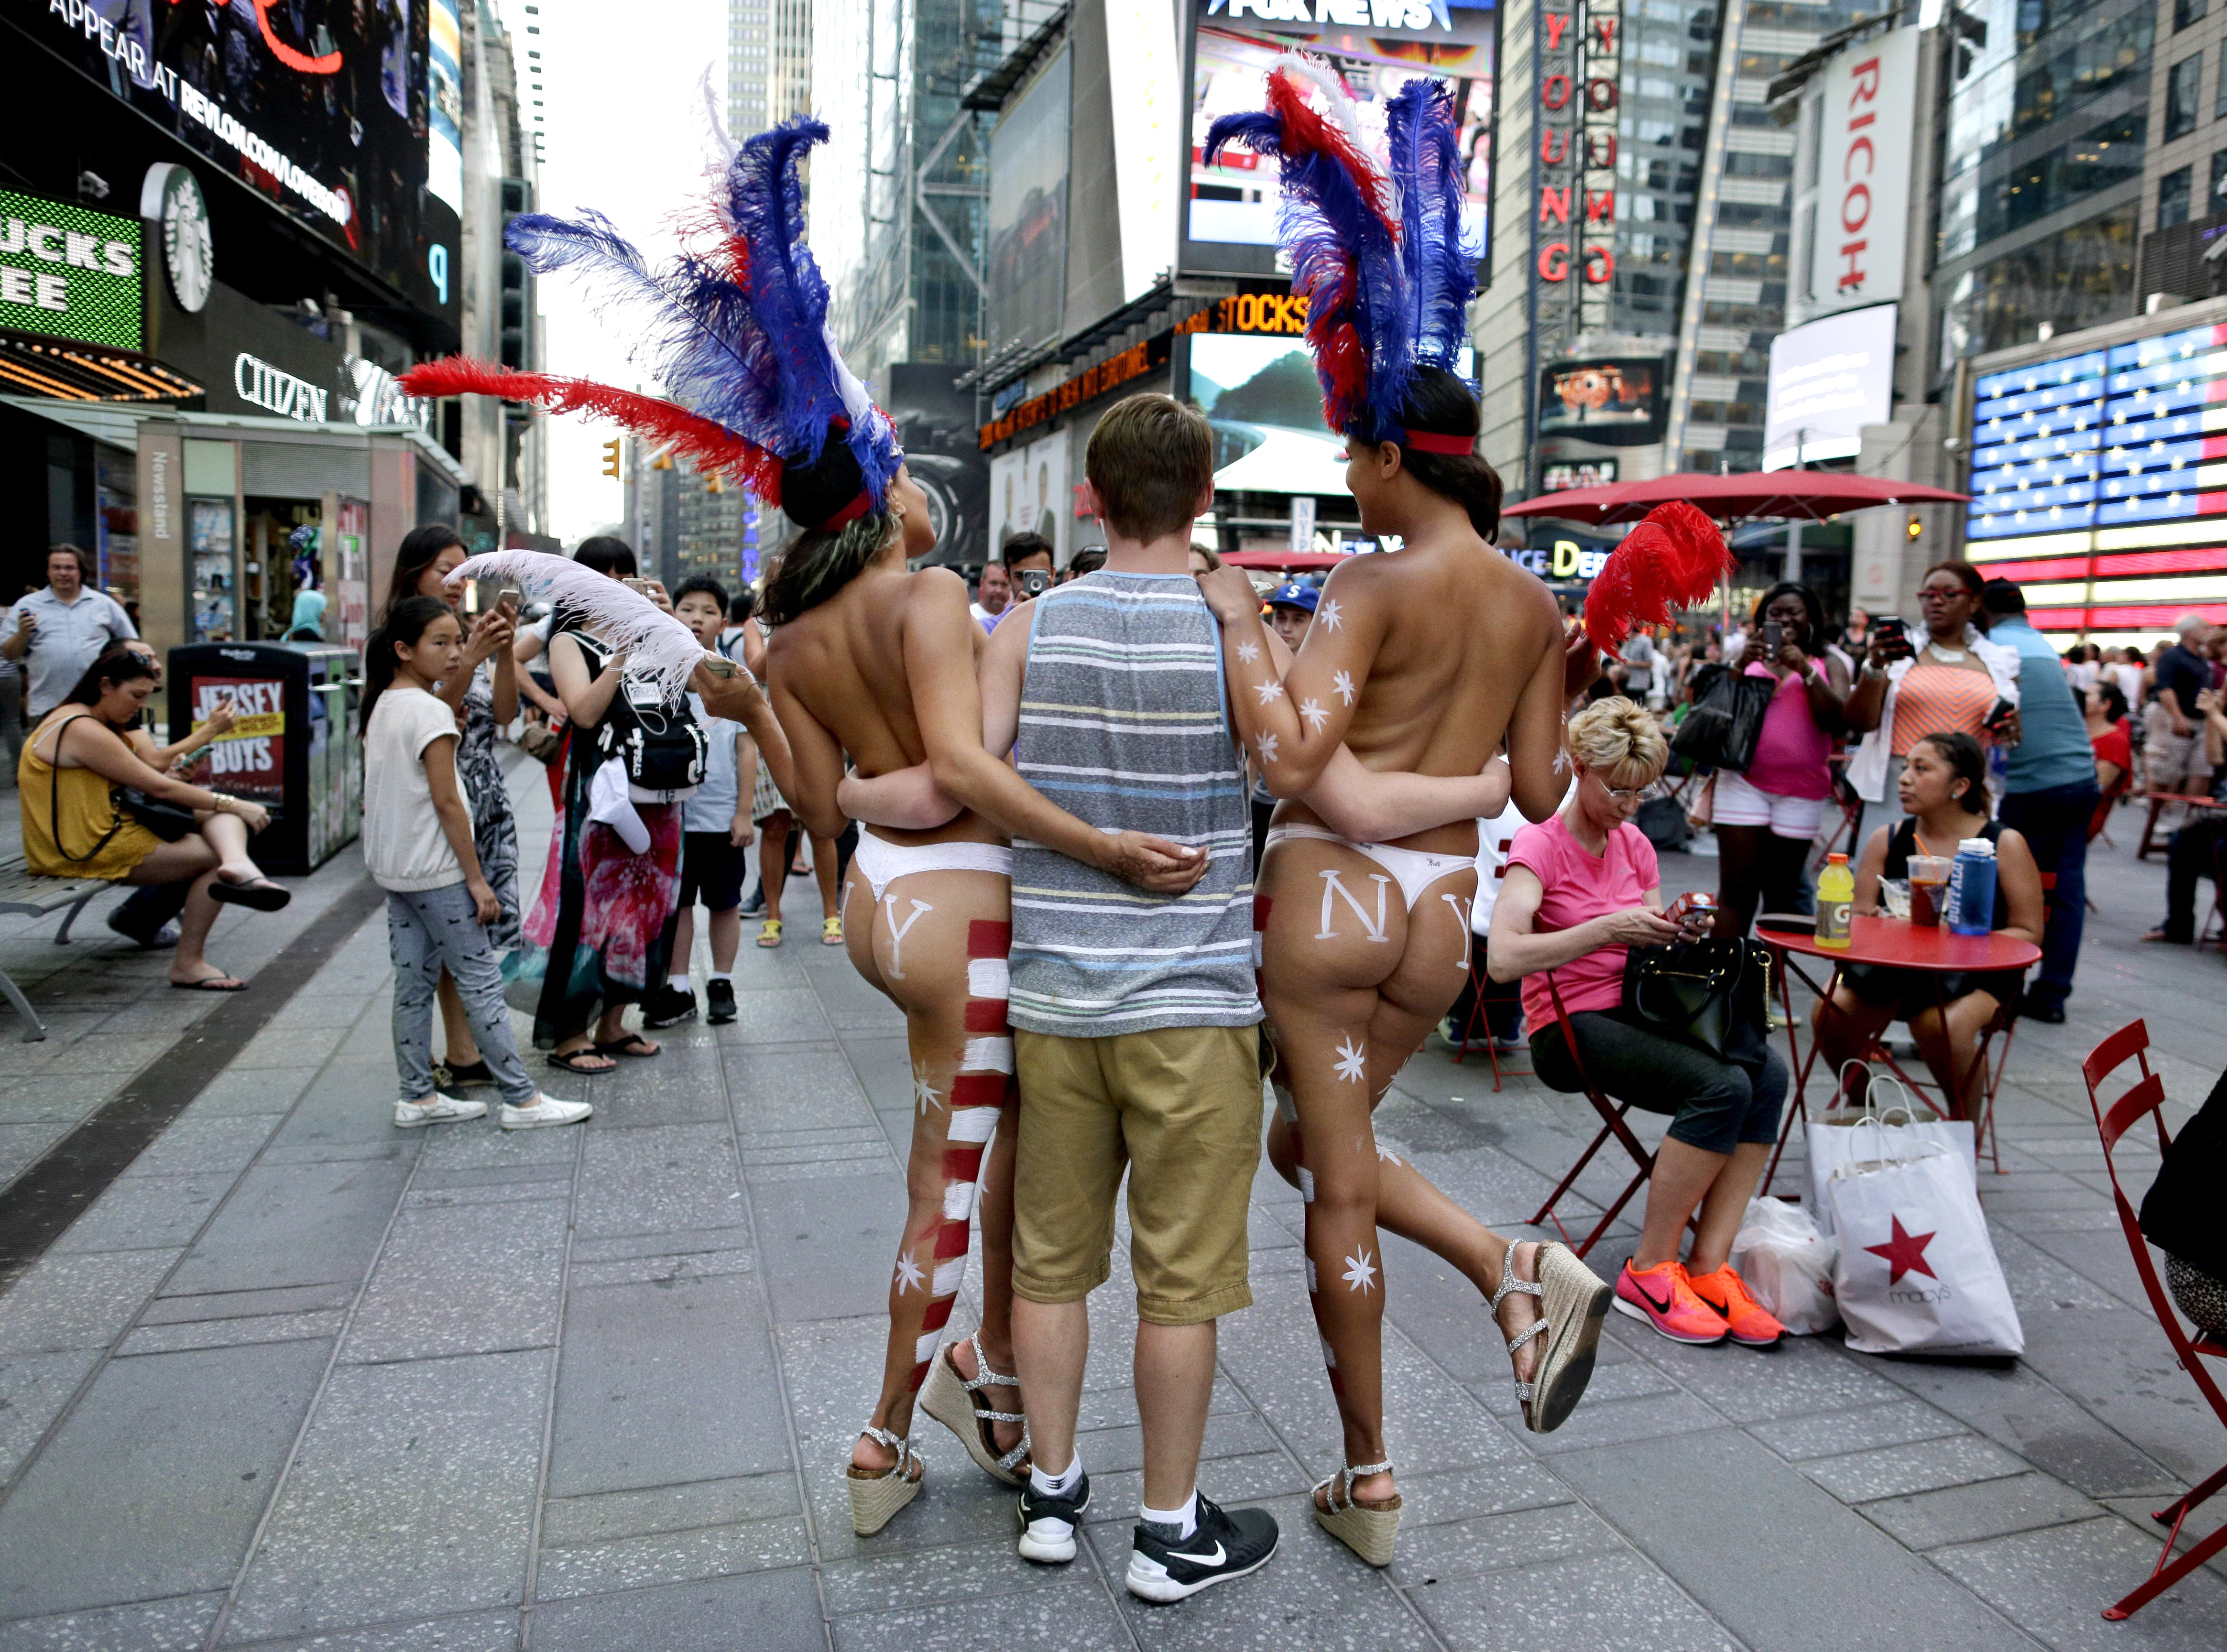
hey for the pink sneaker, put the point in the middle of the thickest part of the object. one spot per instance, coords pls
(1662, 1297)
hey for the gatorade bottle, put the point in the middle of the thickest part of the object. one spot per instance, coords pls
(1971, 888)
(1836, 897)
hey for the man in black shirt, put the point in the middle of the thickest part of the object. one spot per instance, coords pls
(2173, 749)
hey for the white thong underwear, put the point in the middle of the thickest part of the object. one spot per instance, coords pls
(1412, 869)
(880, 863)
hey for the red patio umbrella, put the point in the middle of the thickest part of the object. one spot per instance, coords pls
(1300, 561)
(1812, 494)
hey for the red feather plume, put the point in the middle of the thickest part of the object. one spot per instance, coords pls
(708, 446)
(1672, 559)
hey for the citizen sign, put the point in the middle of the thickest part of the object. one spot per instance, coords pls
(261, 385)
(1863, 179)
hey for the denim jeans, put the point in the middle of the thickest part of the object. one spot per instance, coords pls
(2054, 823)
(2192, 853)
(426, 929)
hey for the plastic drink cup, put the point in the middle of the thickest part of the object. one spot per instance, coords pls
(1929, 889)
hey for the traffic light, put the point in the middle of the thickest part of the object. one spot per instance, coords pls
(611, 457)
(713, 485)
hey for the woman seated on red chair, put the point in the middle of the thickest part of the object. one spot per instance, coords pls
(1580, 890)
(1944, 792)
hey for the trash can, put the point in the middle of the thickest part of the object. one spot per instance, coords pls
(294, 748)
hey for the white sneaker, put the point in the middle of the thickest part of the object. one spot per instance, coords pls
(441, 1110)
(546, 1110)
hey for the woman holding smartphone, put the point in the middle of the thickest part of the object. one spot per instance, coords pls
(1946, 678)
(483, 694)
(1767, 819)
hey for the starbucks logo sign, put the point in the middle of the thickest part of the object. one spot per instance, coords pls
(171, 199)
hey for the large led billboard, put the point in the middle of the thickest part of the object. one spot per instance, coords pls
(325, 111)
(1028, 212)
(2099, 483)
(1828, 380)
(69, 273)
(1228, 223)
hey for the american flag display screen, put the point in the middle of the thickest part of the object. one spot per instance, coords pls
(2099, 483)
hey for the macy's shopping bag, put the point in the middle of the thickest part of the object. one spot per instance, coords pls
(1917, 1273)
(1831, 1137)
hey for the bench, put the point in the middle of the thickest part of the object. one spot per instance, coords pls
(31, 893)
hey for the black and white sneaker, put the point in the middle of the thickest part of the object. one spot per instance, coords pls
(722, 997)
(1048, 1524)
(1164, 1567)
(668, 1006)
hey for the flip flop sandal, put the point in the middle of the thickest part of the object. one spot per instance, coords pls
(262, 894)
(570, 1060)
(1572, 1302)
(957, 1404)
(769, 935)
(1367, 1528)
(633, 1044)
(876, 1498)
(831, 933)
(212, 984)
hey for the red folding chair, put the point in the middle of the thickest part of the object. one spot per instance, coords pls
(1612, 1123)
(1484, 992)
(2146, 1096)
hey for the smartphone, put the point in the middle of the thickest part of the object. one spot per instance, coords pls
(509, 598)
(1998, 714)
(719, 665)
(1774, 636)
(1694, 908)
(639, 587)
(1035, 582)
(1891, 630)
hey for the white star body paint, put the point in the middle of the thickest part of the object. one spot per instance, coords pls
(1332, 886)
(1314, 714)
(1352, 1060)
(1360, 1271)
(1266, 744)
(909, 1273)
(1341, 685)
(1385, 1155)
(897, 935)
(1248, 652)
(926, 1094)
(1270, 693)
(1331, 617)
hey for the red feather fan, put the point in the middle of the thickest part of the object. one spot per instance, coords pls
(1672, 559)
(708, 446)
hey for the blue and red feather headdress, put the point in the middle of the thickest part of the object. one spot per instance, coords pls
(1378, 251)
(738, 336)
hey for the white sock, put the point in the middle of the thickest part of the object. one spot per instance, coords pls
(1055, 1485)
(1184, 1519)
(679, 982)
(726, 975)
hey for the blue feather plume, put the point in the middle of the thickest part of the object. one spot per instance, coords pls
(1441, 268)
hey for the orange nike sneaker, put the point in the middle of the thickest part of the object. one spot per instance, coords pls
(1660, 1296)
(1751, 1323)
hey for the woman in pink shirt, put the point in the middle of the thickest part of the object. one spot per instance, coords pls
(1767, 819)
(1581, 890)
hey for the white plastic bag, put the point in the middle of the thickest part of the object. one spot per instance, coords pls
(1787, 1263)
(1830, 1139)
(1917, 1273)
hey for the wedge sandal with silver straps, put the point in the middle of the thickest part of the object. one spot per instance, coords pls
(1367, 1528)
(957, 1404)
(876, 1498)
(1573, 1300)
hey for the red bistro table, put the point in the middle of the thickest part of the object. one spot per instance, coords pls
(1895, 943)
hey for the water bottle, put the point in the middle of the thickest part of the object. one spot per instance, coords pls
(1972, 888)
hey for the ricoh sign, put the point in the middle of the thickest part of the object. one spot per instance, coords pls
(1867, 111)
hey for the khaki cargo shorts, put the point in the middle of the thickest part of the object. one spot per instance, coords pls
(1179, 1109)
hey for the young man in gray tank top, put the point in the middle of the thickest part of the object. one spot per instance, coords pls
(1135, 1017)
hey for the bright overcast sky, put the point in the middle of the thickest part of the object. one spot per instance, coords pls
(627, 135)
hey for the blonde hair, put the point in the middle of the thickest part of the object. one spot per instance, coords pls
(1618, 741)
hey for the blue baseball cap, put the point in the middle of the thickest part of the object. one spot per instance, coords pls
(1294, 595)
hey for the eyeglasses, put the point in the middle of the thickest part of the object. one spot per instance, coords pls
(1621, 794)
(1938, 594)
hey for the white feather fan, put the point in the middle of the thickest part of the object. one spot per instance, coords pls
(656, 645)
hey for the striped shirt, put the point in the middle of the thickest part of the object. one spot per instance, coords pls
(1123, 725)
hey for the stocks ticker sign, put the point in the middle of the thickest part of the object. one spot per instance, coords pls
(66, 272)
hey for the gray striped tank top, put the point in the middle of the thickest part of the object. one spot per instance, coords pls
(1123, 724)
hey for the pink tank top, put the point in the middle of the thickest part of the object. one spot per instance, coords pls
(1790, 757)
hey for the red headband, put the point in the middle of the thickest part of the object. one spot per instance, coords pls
(850, 513)
(1455, 447)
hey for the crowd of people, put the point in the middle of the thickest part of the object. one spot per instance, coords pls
(1127, 862)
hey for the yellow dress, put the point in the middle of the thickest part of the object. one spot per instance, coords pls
(87, 810)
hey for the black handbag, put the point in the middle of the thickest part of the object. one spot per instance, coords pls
(1711, 994)
(662, 746)
(166, 820)
(1723, 729)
